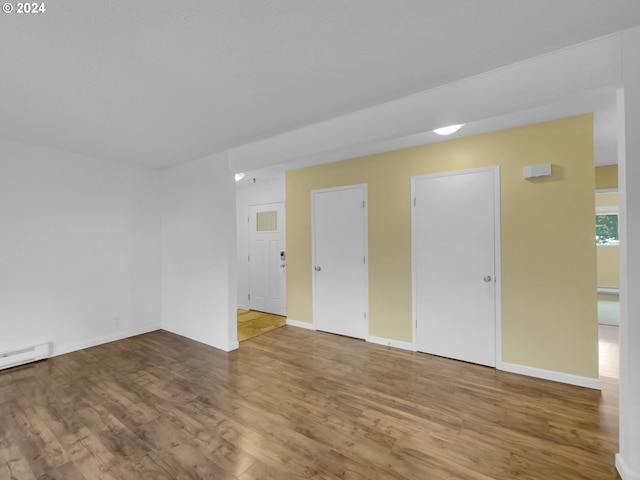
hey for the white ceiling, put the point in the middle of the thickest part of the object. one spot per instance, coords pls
(602, 102)
(158, 83)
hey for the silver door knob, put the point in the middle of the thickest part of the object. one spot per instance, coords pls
(317, 269)
(487, 278)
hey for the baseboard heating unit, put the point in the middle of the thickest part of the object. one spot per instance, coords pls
(24, 355)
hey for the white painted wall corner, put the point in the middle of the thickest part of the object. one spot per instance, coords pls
(93, 342)
(624, 471)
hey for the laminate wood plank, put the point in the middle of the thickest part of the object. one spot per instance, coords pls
(116, 399)
(228, 455)
(14, 464)
(192, 467)
(295, 404)
(609, 349)
(183, 454)
(266, 436)
(422, 463)
(95, 460)
(39, 445)
(340, 433)
(260, 471)
(342, 466)
(147, 467)
(113, 435)
(68, 471)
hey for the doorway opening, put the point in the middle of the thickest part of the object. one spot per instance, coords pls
(608, 270)
(261, 254)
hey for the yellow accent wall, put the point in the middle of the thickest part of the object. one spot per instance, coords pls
(607, 199)
(549, 314)
(607, 177)
(608, 266)
(608, 255)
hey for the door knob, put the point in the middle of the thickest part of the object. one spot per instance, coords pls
(317, 269)
(282, 266)
(487, 278)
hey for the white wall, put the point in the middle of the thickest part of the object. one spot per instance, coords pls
(79, 249)
(628, 460)
(198, 252)
(92, 251)
(261, 192)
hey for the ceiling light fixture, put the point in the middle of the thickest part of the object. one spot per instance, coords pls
(448, 130)
(239, 176)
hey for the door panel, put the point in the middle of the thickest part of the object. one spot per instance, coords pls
(266, 268)
(340, 272)
(455, 267)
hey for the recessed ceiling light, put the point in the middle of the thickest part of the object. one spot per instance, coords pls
(448, 130)
(239, 176)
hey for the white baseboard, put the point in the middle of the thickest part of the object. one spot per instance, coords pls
(624, 471)
(299, 324)
(611, 291)
(243, 307)
(61, 350)
(388, 342)
(552, 375)
(232, 346)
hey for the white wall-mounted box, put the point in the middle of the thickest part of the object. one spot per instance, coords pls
(537, 170)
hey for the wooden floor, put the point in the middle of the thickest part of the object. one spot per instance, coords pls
(609, 349)
(294, 404)
(252, 323)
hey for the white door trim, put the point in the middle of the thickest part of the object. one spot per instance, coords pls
(363, 186)
(497, 254)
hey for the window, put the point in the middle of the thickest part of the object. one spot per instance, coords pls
(607, 229)
(267, 221)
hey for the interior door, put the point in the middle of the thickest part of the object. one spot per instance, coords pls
(455, 220)
(267, 258)
(339, 260)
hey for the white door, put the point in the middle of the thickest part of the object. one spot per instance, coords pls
(339, 260)
(455, 242)
(267, 258)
